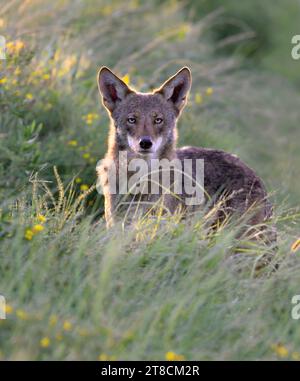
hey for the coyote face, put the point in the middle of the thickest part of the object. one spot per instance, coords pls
(145, 124)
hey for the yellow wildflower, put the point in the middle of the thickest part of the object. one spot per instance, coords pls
(21, 314)
(14, 47)
(89, 118)
(29, 96)
(86, 155)
(8, 309)
(45, 342)
(84, 187)
(17, 71)
(295, 246)
(172, 356)
(126, 79)
(41, 218)
(78, 180)
(103, 357)
(296, 356)
(209, 91)
(37, 228)
(19, 45)
(46, 76)
(72, 143)
(280, 350)
(3, 80)
(198, 98)
(67, 326)
(28, 234)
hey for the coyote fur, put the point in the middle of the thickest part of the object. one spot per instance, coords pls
(144, 126)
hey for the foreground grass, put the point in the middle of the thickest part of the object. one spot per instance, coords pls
(76, 291)
(84, 293)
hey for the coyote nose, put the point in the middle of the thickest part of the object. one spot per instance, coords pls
(145, 142)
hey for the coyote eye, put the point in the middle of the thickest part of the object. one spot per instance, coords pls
(131, 120)
(158, 120)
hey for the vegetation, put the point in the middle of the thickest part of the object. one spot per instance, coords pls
(161, 289)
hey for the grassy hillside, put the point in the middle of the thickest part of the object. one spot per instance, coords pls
(166, 289)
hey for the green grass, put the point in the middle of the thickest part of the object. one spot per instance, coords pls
(78, 291)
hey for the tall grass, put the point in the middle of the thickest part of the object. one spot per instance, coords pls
(77, 291)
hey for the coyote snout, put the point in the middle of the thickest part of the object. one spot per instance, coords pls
(144, 126)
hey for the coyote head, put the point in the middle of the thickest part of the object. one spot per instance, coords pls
(144, 123)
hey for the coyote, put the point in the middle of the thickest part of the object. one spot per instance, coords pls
(144, 126)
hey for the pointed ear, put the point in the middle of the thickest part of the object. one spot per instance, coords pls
(112, 88)
(176, 88)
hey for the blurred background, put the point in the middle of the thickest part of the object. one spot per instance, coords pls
(76, 293)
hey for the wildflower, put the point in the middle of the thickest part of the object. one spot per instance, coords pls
(198, 98)
(66, 66)
(29, 96)
(45, 342)
(17, 71)
(21, 314)
(103, 357)
(67, 326)
(72, 143)
(19, 45)
(78, 180)
(296, 356)
(126, 79)
(41, 218)
(295, 246)
(84, 187)
(86, 155)
(172, 356)
(8, 309)
(37, 228)
(209, 91)
(182, 32)
(89, 118)
(3, 80)
(280, 350)
(14, 47)
(28, 234)
(53, 320)
(46, 76)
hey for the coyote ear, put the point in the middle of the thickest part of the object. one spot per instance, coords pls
(176, 88)
(112, 88)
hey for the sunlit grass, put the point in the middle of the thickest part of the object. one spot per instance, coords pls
(160, 288)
